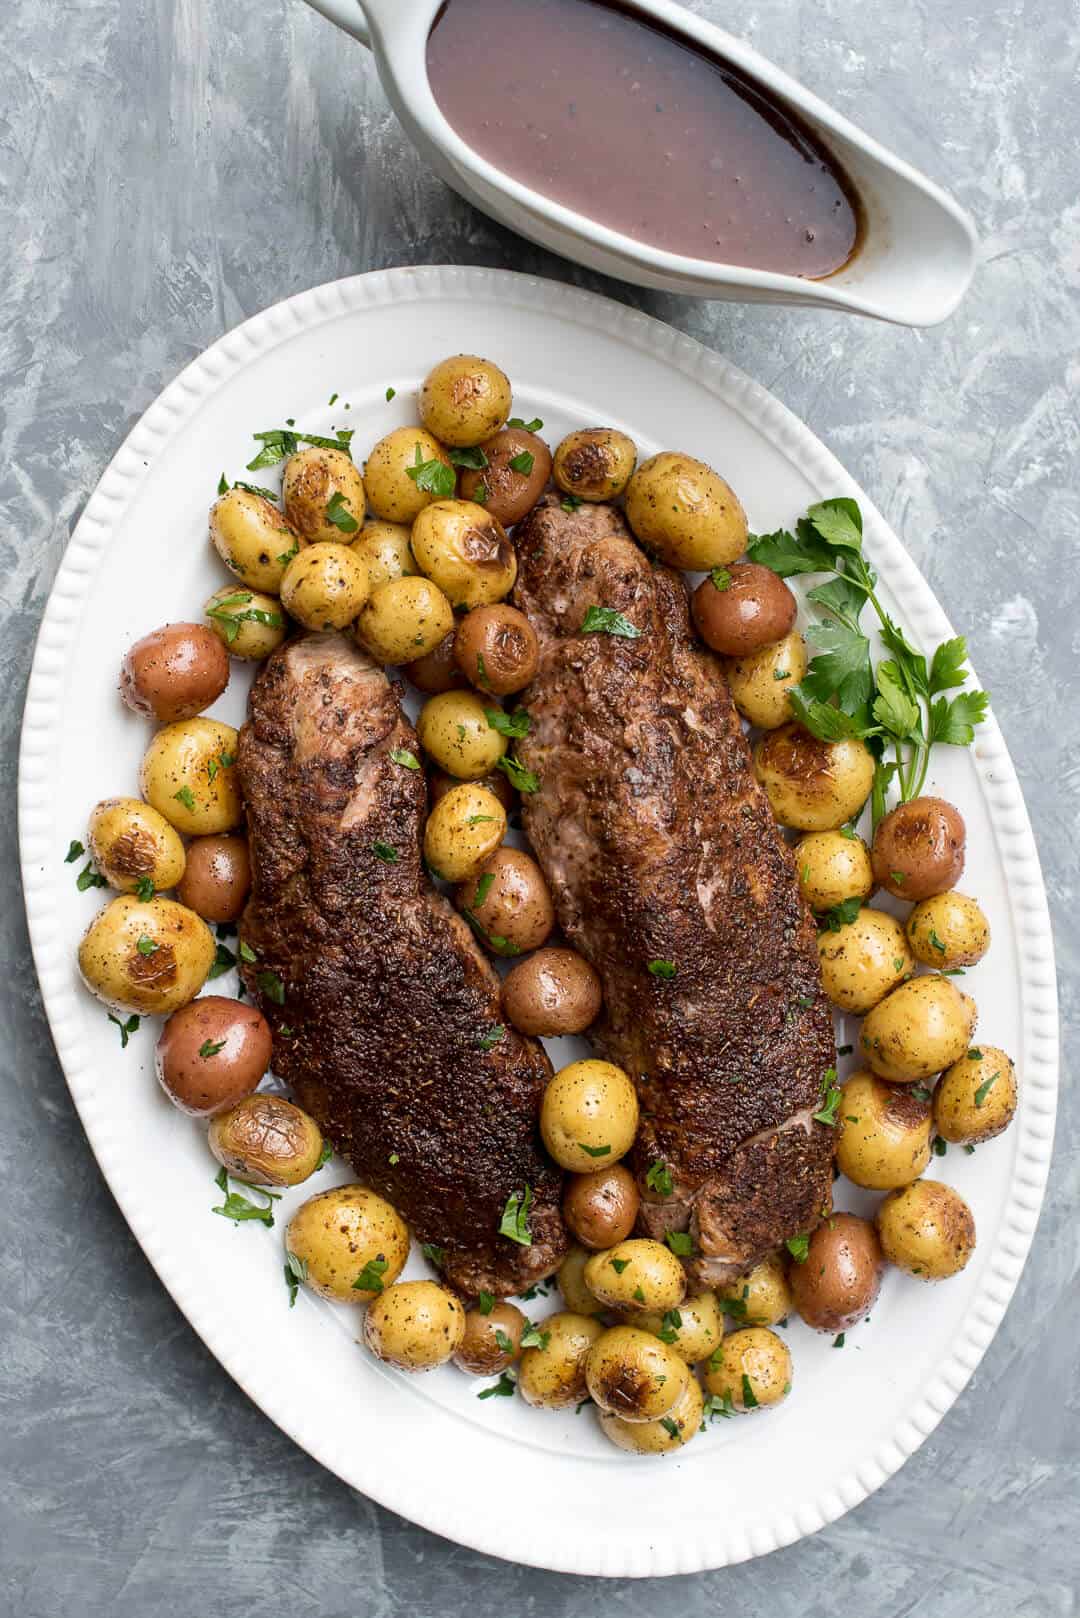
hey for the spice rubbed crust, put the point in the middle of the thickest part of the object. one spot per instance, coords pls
(381, 1004)
(669, 874)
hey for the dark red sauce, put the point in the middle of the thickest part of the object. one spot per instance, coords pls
(601, 110)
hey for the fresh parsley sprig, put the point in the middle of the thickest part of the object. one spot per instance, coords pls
(901, 707)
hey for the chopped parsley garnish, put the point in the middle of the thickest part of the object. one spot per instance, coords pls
(670, 1326)
(513, 724)
(518, 776)
(473, 458)
(285, 557)
(832, 1093)
(144, 889)
(502, 1389)
(390, 392)
(619, 1264)
(338, 513)
(680, 1242)
(489, 1040)
(749, 1398)
(974, 1055)
(434, 1254)
(89, 878)
(224, 961)
(781, 674)
(238, 1207)
(295, 1274)
(670, 1426)
(483, 888)
(186, 797)
(533, 426)
(210, 1048)
(940, 1146)
(985, 1088)
(571, 502)
(223, 484)
(503, 1342)
(75, 848)
(370, 1277)
(432, 477)
(485, 1302)
(607, 621)
(403, 756)
(247, 953)
(662, 969)
(721, 578)
(515, 1219)
(736, 1307)
(385, 852)
(272, 986)
(659, 1179)
(799, 1248)
(718, 1405)
(844, 1050)
(839, 1341)
(224, 612)
(919, 1092)
(595, 1151)
(126, 1026)
(533, 1337)
(522, 463)
(935, 942)
(332, 400)
(281, 442)
(841, 915)
(327, 1150)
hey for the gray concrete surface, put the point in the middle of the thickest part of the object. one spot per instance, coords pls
(168, 167)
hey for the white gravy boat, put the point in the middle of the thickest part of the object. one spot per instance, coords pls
(916, 260)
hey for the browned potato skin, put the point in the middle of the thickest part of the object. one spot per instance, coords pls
(595, 463)
(174, 672)
(266, 1140)
(754, 608)
(882, 1133)
(479, 1353)
(517, 913)
(507, 494)
(554, 992)
(440, 783)
(217, 877)
(205, 1085)
(496, 649)
(927, 1230)
(601, 1208)
(838, 1284)
(919, 849)
(436, 671)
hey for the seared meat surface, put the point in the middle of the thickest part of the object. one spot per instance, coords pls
(388, 1003)
(660, 846)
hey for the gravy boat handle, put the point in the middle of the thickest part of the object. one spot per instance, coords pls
(347, 14)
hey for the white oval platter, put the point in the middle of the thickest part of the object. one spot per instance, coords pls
(536, 1487)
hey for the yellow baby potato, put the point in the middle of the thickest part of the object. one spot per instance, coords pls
(589, 1115)
(188, 774)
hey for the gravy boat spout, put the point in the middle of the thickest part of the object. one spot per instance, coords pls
(918, 247)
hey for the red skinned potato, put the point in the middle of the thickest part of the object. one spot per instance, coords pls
(519, 465)
(174, 672)
(554, 992)
(211, 1054)
(919, 849)
(837, 1283)
(217, 877)
(742, 608)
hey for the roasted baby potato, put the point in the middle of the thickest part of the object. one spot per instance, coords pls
(211, 1054)
(405, 472)
(595, 463)
(637, 1274)
(837, 1283)
(882, 1133)
(554, 992)
(174, 672)
(589, 1112)
(464, 827)
(600, 1207)
(132, 845)
(927, 1229)
(464, 400)
(918, 849)
(813, 785)
(440, 783)
(405, 619)
(750, 1370)
(571, 1278)
(515, 476)
(188, 774)
(146, 956)
(323, 495)
(492, 1339)
(684, 511)
(465, 551)
(496, 649)
(455, 731)
(761, 1298)
(253, 539)
(217, 877)
(249, 625)
(693, 1330)
(325, 586)
(669, 1432)
(266, 1140)
(740, 609)
(415, 1325)
(385, 551)
(948, 930)
(975, 1098)
(863, 960)
(760, 681)
(508, 902)
(632, 1374)
(833, 866)
(352, 1243)
(552, 1375)
(919, 1029)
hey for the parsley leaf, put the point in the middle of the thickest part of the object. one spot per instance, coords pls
(533, 1337)
(434, 1254)
(502, 1389)
(485, 1302)
(515, 1218)
(402, 755)
(338, 513)
(659, 1179)
(522, 463)
(370, 1277)
(238, 1208)
(798, 1247)
(385, 852)
(663, 969)
(985, 1088)
(607, 621)
(492, 1037)
(533, 426)
(127, 1028)
(681, 1242)
(595, 1151)
(721, 578)
(826, 1114)
(473, 457)
(841, 915)
(525, 780)
(89, 878)
(272, 986)
(296, 1271)
(75, 848)
(432, 477)
(516, 724)
(954, 722)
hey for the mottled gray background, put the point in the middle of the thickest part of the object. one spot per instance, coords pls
(168, 167)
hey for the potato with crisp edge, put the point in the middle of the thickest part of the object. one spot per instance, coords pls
(147, 956)
(347, 1235)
